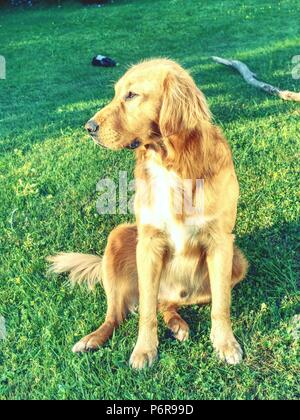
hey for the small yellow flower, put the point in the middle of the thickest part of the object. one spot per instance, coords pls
(263, 307)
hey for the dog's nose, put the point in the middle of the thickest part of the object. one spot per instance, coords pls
(92, 127)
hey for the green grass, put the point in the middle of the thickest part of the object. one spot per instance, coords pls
(48, 174)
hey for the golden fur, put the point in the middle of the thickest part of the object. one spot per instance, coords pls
(169, 258)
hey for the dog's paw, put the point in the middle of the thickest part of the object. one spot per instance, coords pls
(179, 328)
(91, 342)
(142, 358)
(228, 349)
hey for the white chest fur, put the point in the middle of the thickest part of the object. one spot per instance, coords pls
(166, 190)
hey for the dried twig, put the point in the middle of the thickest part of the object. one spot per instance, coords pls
(251, 79)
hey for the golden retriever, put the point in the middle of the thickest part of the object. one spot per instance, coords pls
(169, 258)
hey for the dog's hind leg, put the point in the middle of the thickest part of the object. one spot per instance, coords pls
(239, 271)
(239, 266)
(120, 283)
(174, 322)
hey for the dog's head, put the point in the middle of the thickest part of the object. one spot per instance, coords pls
(153, 101)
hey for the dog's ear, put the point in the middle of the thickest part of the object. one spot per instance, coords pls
(184, 106)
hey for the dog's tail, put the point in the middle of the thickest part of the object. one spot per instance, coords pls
(83, 268)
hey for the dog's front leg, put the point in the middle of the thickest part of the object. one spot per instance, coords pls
(150, 253)
(219, 260)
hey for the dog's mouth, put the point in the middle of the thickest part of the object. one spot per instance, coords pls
(98, 142)
(134, 144)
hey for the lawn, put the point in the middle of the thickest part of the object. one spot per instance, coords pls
(49, 170)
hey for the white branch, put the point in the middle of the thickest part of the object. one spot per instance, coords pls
(251, 79)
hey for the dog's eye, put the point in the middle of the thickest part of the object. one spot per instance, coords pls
(130, 95)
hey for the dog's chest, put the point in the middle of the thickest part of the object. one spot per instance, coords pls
(165, 190)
